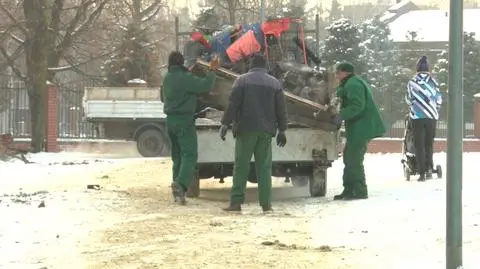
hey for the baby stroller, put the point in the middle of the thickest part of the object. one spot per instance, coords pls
(408, 153)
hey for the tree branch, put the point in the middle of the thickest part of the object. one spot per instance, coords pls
(16, 54)
(13, 19)
(154, 6)
(13, 36)
(11, 63)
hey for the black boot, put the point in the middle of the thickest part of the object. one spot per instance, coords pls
(233, 207)
(346, 192)
(267, 209)
(178, 193)
(359, 191)
(421, 178)
(428, 175)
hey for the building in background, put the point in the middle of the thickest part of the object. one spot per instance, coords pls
(429, 28)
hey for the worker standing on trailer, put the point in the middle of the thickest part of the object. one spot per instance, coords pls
(424, 99)
(180, 92)
(362, 124)
(257, 110)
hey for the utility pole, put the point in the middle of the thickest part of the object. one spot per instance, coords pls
(455, 138)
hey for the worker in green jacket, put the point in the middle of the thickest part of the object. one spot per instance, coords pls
(362, 124)
(180, 92)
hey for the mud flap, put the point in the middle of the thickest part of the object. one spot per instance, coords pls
(194, 188)
(318, 179)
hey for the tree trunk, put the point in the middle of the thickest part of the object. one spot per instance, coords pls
(36, 47)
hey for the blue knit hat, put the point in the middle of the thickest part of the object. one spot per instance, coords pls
(422, 64)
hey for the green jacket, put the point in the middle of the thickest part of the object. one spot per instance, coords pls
(181, 89)
(358, 109)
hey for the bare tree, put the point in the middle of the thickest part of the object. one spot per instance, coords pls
(45, 33)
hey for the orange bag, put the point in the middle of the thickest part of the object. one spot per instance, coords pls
(246, 45)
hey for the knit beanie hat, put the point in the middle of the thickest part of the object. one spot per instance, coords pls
(258, 61)
(422, 64)
(175, 58)
(346, 67)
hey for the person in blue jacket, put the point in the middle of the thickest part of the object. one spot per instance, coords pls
(424, 99)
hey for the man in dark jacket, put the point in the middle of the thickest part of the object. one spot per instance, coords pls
(362, 124)
(257, 110)
(180, 91)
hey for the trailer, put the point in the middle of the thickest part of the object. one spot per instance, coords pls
(136, 114)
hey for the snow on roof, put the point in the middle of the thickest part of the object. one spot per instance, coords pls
(387, 16)
(431, 25)
(399, 5)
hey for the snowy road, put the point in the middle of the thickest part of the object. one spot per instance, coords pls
(131, 222)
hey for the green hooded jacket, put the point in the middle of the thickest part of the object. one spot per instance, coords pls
(358, 109)
(181, 89)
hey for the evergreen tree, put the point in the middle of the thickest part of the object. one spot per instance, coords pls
(387, 79)
(343, 44)
(471, 73)
(409, 52)
(135, 59)
(335, 11)
(208, 20)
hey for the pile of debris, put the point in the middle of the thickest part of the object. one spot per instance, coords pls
(234, 44)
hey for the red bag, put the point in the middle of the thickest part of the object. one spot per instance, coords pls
(245, 45)
(276, 27)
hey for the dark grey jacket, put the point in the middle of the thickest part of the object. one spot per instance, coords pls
(257, 103)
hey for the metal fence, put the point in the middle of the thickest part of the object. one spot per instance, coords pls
(15, 113)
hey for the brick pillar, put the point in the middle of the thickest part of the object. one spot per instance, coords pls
(476, 115)
(51, 144)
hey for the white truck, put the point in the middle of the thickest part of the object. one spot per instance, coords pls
(136, 114)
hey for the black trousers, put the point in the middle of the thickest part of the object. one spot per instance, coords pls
(423, 137)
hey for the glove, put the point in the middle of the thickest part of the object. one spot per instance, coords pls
(337, 120)
(281, 139)
(214, 63)
(223, 131)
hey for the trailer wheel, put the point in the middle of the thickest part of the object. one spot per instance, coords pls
(194, 188)
(318, 183)
(151, 143)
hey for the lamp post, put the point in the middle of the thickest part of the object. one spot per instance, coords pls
(455, 138)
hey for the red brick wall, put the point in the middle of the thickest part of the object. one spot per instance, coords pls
(51, 144)
(395, 146)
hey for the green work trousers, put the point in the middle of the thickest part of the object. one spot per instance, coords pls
(354, 172)
(258, 144)
(183, 138)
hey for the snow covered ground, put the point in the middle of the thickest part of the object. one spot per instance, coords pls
(131, 223)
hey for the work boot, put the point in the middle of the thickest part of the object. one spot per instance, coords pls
(341, 196)
(267, 209)
(421, 178)
(178, 193)
(233, 207)
(360, 192)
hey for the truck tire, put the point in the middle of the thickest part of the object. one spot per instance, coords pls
(300, 181)
(151, 143)
(318, 183)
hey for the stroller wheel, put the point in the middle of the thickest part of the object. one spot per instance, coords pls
(406, 173)
(439, 171)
